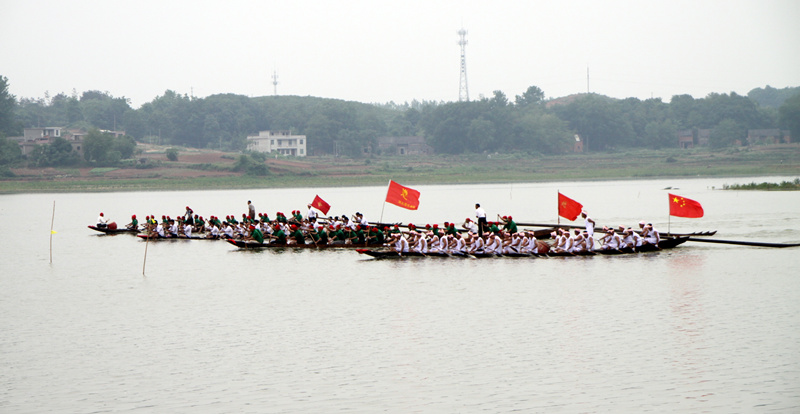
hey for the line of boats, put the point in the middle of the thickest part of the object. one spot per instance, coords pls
(378, 251)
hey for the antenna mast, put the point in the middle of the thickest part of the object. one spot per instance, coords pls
(275, 82)
(463, 90)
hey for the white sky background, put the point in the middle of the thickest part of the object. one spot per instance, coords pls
(376, 51)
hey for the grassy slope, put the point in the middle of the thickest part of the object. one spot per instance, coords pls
(475, 168)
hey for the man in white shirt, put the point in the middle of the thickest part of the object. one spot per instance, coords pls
(481, 215)
(312, 214)
(588, 223)
(102, 221)
(470, 225)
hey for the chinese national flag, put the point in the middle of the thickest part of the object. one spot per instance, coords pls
(402, 196)
(320, 205)
(684, 207)
(568, 208)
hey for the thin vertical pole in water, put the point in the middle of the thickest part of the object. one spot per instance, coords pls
(52, 220)
(146, 243)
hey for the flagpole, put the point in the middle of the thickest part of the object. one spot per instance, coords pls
(384, 200)
(558, 216)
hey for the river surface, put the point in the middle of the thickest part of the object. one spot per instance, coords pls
(210, 329)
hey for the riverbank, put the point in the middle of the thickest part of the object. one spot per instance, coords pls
(765, 186)
(214, 170)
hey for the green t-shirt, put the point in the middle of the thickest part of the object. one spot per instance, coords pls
(256, 234)
(280, 237)
(299, 236)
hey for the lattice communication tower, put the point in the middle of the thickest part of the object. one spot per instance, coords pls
(463, 89)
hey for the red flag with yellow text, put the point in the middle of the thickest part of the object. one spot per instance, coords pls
(402, 196)
(320, 205)
(568, 208)
(684, 207)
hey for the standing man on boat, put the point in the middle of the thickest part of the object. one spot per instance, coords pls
(481, 215)
(588, 223)
(251, 210)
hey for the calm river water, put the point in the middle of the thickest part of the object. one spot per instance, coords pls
(209, 329)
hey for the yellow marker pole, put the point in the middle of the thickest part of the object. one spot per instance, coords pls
(52, 220)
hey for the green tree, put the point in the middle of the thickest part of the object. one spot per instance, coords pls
(533, 95)
(726, 133)
(9, 151)
(96, 146)
(661, 134)
(172, 154)
(789, 116)
(8, 103)
(57, 153)
(542, 132)
(599, 121)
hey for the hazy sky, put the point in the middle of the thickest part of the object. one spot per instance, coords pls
(378, 51)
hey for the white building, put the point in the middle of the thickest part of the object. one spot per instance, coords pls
(282, 142)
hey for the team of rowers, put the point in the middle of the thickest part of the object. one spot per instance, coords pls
(499, 237)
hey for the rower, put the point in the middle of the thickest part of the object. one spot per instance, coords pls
(612, 241)
(227, 230)
(652, 236)
(578, 242)
(508, 223)
(420, 244)
(134, 224)
(589, 241)
(256, 234)
(187, 230)
(102, 221)
(160, 230)
(297, 234)
(399, 243)
(470, 225)
(279, 235)
(627, 239)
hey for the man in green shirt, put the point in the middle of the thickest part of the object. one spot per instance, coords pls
(256, 234)
(279, 236)
(298, 235)
(134, 224)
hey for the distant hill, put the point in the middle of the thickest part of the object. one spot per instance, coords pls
(772, 97)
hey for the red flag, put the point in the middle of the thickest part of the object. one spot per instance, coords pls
(320, 205)
(402, 196)
(684, 207)
(568, 208)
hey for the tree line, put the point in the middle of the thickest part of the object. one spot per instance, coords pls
(527, 123)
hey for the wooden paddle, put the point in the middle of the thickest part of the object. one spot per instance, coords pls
(746, 243)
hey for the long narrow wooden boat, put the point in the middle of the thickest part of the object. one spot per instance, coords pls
(107, 230)
(389, 254)
(154, 237)
(252, 244)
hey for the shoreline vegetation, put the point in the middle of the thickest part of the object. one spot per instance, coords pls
(207, 170)
(765, 186)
